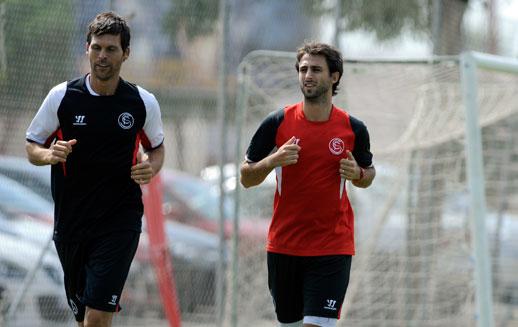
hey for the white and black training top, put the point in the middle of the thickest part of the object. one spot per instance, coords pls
(93, 191)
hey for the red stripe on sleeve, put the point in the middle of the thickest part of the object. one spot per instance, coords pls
(51, 138)
(145, 141)
(135, 150)
(59, 136)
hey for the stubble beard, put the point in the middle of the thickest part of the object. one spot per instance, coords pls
(103, 76)
(316, 95)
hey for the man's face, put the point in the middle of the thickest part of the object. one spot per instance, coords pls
(106, 56)
(314, 77)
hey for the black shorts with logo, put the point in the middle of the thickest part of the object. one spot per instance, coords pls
(96, 270)
(307, 286)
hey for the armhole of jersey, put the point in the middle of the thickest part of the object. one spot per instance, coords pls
(153, 128)
(46, 122)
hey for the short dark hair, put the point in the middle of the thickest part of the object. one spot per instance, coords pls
(109, 23)
(331, 54)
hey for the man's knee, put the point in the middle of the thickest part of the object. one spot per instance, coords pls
(97, 318)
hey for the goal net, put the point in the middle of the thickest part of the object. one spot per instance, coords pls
(415, 262)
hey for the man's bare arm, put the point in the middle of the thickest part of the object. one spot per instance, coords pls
(360, 177)
(148, 165)
(58, 152)
(368, 176)
(254, 173)
(156, 158)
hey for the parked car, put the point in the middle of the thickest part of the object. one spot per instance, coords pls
(195, 258)
(36, 178)
(45, 302)
(195, 255)
(194, 251)
(255, 201)
(18, 199)
(192, 201)
(24, 227)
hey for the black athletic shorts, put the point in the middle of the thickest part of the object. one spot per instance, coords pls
(307, 286)
(96, 270)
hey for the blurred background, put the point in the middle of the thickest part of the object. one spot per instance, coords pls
(414, 265)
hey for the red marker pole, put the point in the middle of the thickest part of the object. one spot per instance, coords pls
(162, 262)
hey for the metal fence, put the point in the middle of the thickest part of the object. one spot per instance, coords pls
(177, 54)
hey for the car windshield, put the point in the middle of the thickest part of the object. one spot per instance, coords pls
(200, 196)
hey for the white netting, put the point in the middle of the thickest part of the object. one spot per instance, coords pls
(414, 263)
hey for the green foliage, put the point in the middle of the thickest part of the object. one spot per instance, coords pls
(38, 43)
(195, 17)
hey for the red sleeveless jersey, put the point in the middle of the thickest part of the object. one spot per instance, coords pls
(312, 217)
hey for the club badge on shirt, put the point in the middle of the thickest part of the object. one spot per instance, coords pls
(336, 146)
(126, 120)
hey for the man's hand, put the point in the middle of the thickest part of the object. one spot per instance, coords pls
(287, 154)
(59, 151)
(142, 172)
(349, 168)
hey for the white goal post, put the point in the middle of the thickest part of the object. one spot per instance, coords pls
(433, 231)
(470, 62)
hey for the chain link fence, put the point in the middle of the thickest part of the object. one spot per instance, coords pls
(175, 54)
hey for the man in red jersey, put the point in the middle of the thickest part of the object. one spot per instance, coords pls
(318, 147)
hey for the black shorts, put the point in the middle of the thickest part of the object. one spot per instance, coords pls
(307, 286)
(96, 270)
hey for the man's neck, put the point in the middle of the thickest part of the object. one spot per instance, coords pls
(104, 87)
(318, 109)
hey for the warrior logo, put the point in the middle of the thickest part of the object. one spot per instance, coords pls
(114, 300)
(80, 120)
(330, 305)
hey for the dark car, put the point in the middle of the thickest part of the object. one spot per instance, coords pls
(195, 258)
(195, 255)
(190, 200)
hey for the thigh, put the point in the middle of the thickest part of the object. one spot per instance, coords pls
(325, 283)
(72, 258)
(285, 284)
(107, 267)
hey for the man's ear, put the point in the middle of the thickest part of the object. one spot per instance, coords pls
(335, 76)
(87, 47)
(126, 54)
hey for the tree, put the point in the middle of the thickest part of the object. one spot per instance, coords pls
(36, 48)
(194, 17)
(37, 42)
(440, 20)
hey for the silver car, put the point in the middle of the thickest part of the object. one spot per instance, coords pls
(44, 303)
